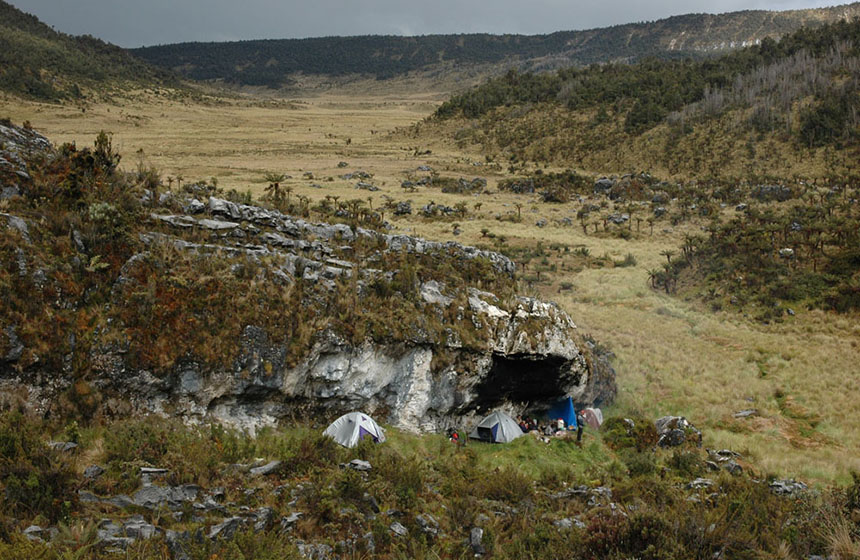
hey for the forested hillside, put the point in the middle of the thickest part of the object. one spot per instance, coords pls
(272, 62)
(38, 62)
(680, 117)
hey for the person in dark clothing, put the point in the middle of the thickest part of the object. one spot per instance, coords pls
(580, 424)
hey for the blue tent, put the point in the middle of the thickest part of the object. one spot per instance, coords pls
(565, 411)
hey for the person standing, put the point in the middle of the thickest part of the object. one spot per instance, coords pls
(580, 424)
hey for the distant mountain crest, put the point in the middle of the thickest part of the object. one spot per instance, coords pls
(273, 62)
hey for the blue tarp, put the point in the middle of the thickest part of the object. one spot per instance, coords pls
(565, 411)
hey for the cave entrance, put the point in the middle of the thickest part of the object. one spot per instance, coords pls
(524, 379)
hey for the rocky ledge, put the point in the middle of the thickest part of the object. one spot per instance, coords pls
(400, 327)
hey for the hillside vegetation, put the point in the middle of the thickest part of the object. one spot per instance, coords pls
(801, 91)
(40, 63)
(272, 62)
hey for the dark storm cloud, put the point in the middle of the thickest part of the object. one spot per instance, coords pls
(132, 23)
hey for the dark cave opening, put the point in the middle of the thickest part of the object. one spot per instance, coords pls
(524, 379)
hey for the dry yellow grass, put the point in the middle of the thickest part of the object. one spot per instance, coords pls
(673, 357)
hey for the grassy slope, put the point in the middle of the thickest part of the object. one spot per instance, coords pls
(36, 61)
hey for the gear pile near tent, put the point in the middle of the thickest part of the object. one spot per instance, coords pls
(498, 427)
(350, 429)
(565, 411)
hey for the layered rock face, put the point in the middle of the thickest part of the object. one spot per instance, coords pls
(459, 351)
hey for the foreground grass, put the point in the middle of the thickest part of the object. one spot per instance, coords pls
(521, 495)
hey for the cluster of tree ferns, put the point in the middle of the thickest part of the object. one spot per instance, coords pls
(802, 251)
(38, 62)
(270, 62)
(650, 91)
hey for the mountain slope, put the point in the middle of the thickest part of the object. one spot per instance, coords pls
(272, 62)
(680, 118)
(36, 61)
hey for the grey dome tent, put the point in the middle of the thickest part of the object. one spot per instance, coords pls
(498, 427)
(350, 429)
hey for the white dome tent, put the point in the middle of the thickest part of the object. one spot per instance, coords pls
(350, 429)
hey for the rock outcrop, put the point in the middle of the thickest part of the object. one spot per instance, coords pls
(460, 350)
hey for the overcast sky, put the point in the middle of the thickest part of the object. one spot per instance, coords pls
(135, 23)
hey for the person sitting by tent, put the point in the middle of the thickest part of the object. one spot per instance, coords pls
(560, 425)
(524, 425)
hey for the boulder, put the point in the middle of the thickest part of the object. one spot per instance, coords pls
(676, 430)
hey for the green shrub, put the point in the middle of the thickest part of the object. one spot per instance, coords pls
(36, 480)
(622, 433)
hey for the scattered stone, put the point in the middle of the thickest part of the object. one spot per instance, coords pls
(359, 465)
(147, 474)
(746, 413)
(137, 528)
(428, 524)
(314, 551)
(93, 472)
(226, 529)
(564, 524)
(660, 211)
(398, 529)
(733, 467)
(603, 185)
(366, 186)
(178, 543)
(741, 207)
(271, 467)
(263, 519)
(675, 430)
(541, 223)
(16, 347)
(121, 501)
(194, 206)
(700, 484)
(788, 487)
(403, 208)
(153, 497)
(288, 522)
(476, 537)
(425, 168)
(786, 253)
(619, 219)
(18, 224)
(88, 497)
(722, 455)
(342, 164)
(63, 446)
(660, 197)
(35, 533)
